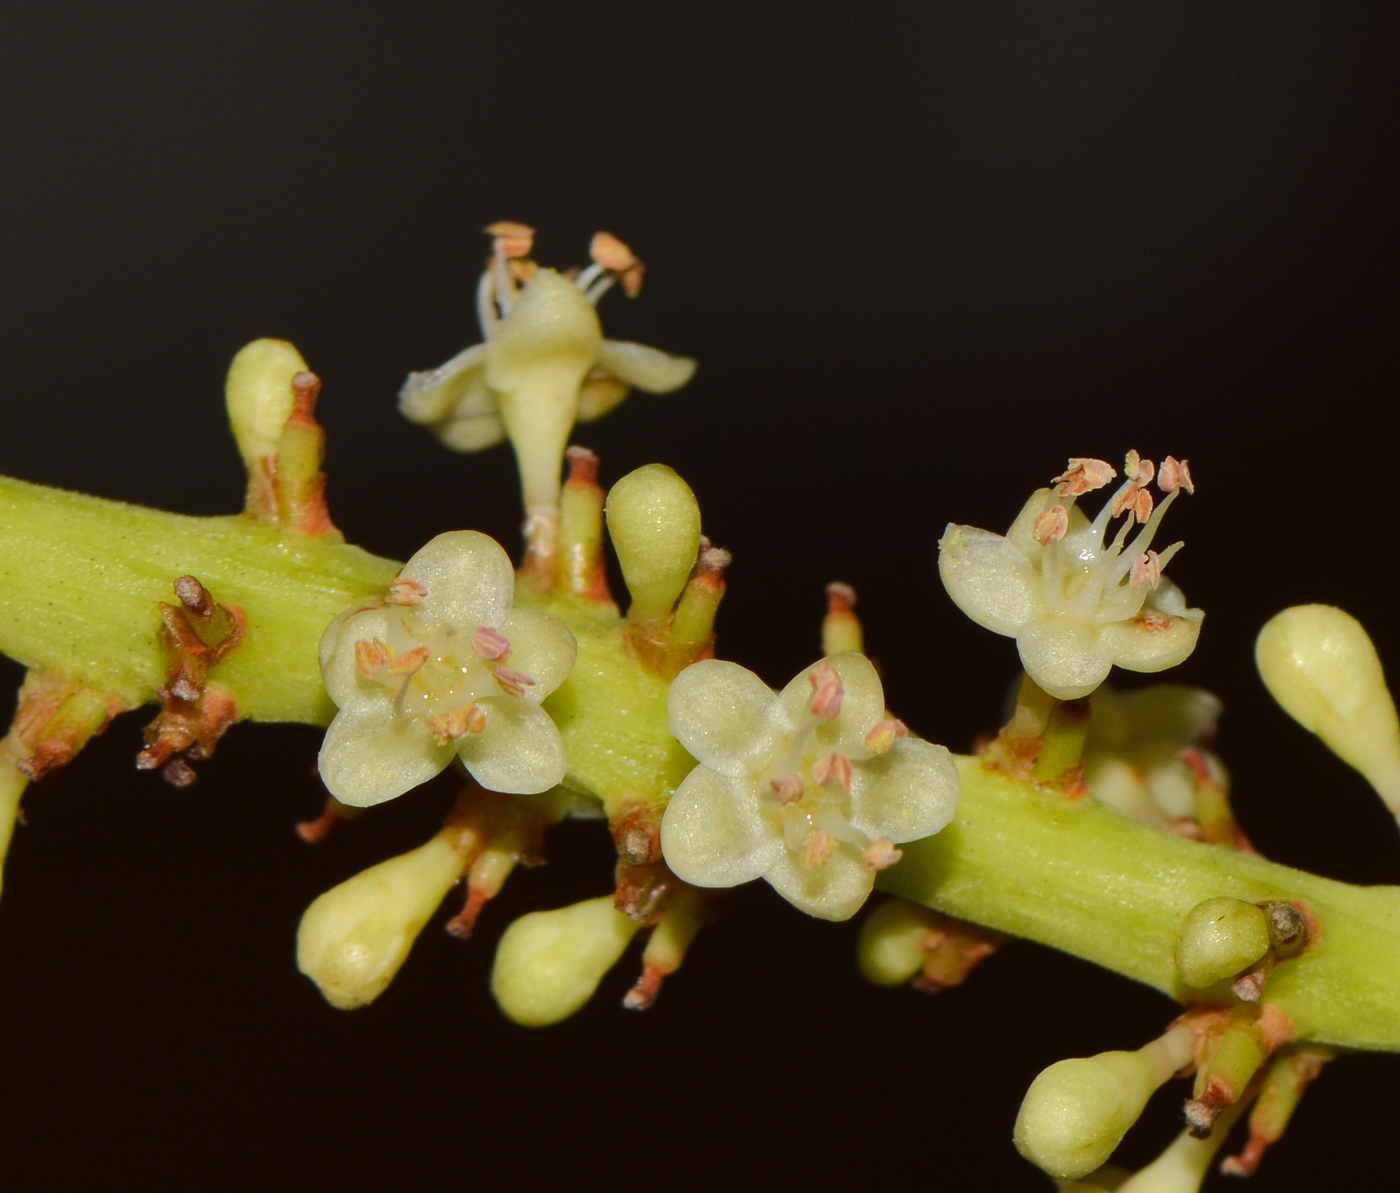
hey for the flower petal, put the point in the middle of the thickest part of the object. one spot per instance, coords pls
(862, 702)
(908, 793)
(1152, 641)
(369, 756)
(541, 646)
(468, 578)
(1064, 657)
(834, 890)
(472, 433)
(519, 751)
(989, 579)
(649, 369)
(714, 833)
(338, 671)
(598, 394)
(439, 393)
(722, 713)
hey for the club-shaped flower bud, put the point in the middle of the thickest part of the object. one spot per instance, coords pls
(1218, 939)
(258, 396)
(1077, 1111)
(353, 939)
(892, 943)
(1320, 665)
(549, 963)
(654, 523)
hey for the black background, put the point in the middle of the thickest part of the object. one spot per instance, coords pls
(924, 253)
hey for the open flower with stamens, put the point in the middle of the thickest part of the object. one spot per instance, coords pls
(1077, 601)
(442, 667)
(810, 788)
(543, 364)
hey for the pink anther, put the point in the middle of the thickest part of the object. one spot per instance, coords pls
(818, 849)
(611, 253)
(405, 592)
(1137, 502)
(1084, 475)
(490, 644)
(511, 239)
(1137, 470)
(881, 854)
(408, 662)
(1147, 569)
(1050, 526)
(371, 656)
(833, 766)
(826, 691)
(457, 723)
(513, 683)
(1175, 475)
(788, 788)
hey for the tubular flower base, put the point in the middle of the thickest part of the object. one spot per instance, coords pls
(1076, 604)
(810, 788)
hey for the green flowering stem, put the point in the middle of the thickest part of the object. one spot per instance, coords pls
(1084, 879)
(82, 579)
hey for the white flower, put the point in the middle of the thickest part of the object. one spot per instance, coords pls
(1075, 604)
(543, 364)
(810, 788)
(443, 667)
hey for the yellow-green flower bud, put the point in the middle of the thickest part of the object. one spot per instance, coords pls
(353, 939)
(1218, 939)
(1077, 1111)
(1319, 664)
(892, 940)
(258, 395)
(549, 962)
(654, 523)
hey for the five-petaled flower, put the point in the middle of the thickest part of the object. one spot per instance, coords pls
(543, 363)
(439, 668)
(810, 788)
(1075, 604)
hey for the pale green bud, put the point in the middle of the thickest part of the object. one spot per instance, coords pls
(654, 523)
(353, 939)
(1219, 939)
(258, 395)
(549, 962)
(892, 940)
(1077, 1111)
(1319, 664)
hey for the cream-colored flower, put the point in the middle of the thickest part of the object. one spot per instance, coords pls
(443, 667)
(1075, 604)
(810, 788)
(543, 363)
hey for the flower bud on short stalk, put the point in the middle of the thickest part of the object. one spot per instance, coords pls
(892, 943)
(1220, 938)
(258, 396)
(549, 963)
(1320, 665)
(1077, 1111)
(654, 523)
(353, 939)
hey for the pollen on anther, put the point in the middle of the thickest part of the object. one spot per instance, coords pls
(371, 656)
(1050, 526)
(490, 644)
(818, 849)
(1137, 470)
(513, 683)
(457, 723)
(1147, 569)
(826, 691)
(881, 739)
(405, 592)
